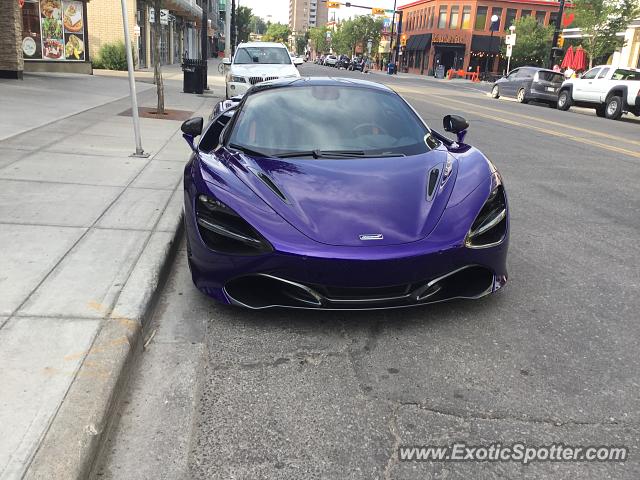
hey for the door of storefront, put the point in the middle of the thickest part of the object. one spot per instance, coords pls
(448, 55)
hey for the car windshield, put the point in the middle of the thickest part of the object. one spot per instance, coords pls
(328, 119)
(263, 55)
(550, 76)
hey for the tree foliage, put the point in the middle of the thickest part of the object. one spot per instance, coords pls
(277, 32)
(318, 37)
(243, 23)
(356, 32)
(533, 43)
(600, 21)
(258, 25)
(301, 43)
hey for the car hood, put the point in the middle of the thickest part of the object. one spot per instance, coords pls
(264, 70)
(337, 201)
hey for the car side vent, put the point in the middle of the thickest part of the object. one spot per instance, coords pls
(434, 174)
(269, 183)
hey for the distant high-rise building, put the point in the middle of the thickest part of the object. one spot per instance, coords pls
(304, 14)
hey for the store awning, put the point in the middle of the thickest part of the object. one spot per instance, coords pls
(486, 43)
(418, 42)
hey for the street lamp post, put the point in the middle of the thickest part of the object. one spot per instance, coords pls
(494, 26)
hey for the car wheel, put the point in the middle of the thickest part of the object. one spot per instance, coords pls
(521, 97)
(601, 110)
(614, 108)
(564, 100)
(495, 92)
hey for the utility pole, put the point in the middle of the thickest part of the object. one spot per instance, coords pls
(397, 53)
(556, 33)
(393, 21)
(204, 39)
(233, 26)
(227, 30)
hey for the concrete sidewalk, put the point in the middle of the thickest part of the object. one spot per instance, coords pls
(85, 232)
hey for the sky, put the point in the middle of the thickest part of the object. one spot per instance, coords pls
(279, 9)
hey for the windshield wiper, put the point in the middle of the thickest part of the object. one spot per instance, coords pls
(249, 151)
(322, 154)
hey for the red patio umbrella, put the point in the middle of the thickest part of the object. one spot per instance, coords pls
(580, 60)
(567, 61)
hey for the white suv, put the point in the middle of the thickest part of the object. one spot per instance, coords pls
(256, 62)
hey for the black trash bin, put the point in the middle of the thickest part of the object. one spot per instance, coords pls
(194, 75)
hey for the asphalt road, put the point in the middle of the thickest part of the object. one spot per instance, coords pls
(222, 393)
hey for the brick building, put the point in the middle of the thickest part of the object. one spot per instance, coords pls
(456, 33)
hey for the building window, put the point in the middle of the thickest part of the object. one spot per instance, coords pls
(511, 17)
(453, 18)
(553, 16)
(442, 17)
(430, 19)
(466, 17)
(525, 13)
(540, 17)
(497, 12)
(481, 18)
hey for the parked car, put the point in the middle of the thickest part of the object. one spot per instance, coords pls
(529, 83)
(330, 60)
(431, 224)
(343, 62)
(255, 62)
(612, 91)
(356, 64)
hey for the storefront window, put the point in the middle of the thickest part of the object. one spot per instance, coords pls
(498, 13)
(453, 19)
(481, 18)
(540, 17)
(525, 13)
(466, 17)
(442, 18)
(511, 17)
(53, 30)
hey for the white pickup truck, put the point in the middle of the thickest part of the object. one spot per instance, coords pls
(612, 91)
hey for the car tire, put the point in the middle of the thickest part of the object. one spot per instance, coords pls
(521, 97)
(613, 110)
(564, 100)
(601, 110)
(495, 92)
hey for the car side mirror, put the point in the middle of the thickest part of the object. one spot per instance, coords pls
(226, 61)
(456, 124)
(191, 128)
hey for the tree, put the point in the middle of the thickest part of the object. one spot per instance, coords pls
(258, 25)
(533, 43)
(318, 37)
(600, 21)
(157, 70)
(301, 43)
(277, 32)
(243, 23)
(357, 32)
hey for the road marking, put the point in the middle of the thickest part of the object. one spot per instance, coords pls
(541, 120)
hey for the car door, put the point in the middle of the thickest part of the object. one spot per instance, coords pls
(524, 79)
(583, 85)
(508, 87)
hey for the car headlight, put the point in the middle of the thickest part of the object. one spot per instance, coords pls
(490, 226)
(224, 231)
(237, 79)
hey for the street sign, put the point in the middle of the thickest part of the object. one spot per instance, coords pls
(510, 39)
(377, 11)
(333, 4)
(369, 45)
(509, 50)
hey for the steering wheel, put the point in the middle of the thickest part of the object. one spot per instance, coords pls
(375, 129)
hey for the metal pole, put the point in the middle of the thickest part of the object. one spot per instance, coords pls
(393, 21)
(204, 39)
(486, 65)
(399, 32)
(233, 26)
(556, 32)
(227, 29)
(132, 82)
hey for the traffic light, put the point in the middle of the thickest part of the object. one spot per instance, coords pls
(377, 11)
(333, 4)
(560, 41)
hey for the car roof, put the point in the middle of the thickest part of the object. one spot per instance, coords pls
(261, 44)
(618, 67)
(319, 81)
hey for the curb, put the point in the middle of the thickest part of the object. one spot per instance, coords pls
(73, 442)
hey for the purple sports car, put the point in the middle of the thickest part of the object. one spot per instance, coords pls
(330, 193)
